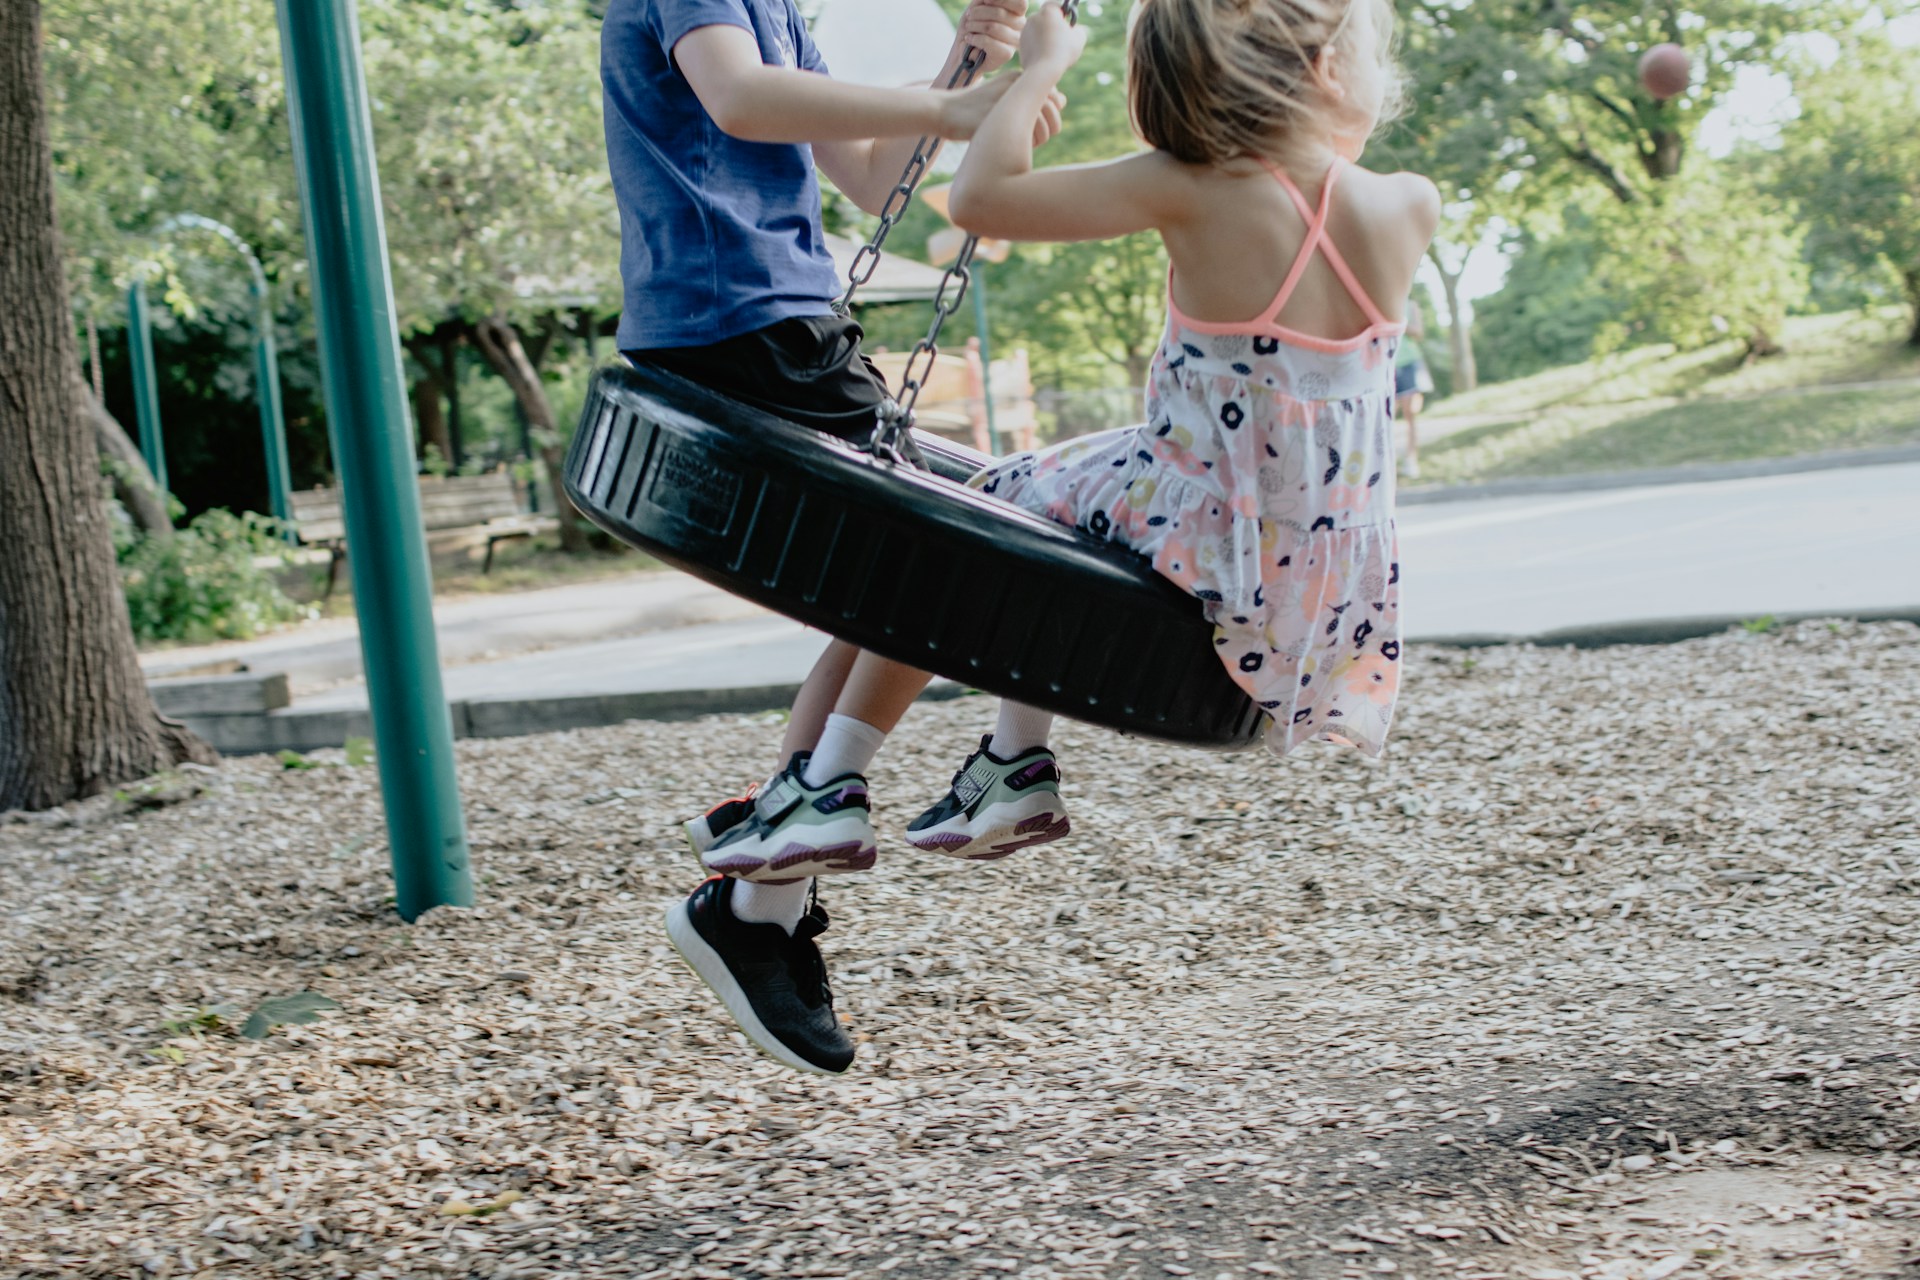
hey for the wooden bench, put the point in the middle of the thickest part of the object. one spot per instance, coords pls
(488, 502)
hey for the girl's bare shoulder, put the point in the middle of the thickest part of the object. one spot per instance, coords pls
(1386, 200)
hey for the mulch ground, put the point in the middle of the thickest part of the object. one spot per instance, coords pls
(1607, 971)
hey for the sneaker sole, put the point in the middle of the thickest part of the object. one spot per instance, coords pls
(712, 970)
(997, 831)
(841, 846)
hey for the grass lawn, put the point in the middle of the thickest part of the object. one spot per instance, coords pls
(1656, 407)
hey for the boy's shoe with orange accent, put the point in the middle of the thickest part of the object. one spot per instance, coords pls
(704, 830)
(796, 831)
(774, 985)
(995, 806)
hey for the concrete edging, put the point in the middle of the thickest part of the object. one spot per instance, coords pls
(1691, 473)
(1601, 635)
(292, 729)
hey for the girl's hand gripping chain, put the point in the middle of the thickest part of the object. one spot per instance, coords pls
(1051, 44)
(992, 27)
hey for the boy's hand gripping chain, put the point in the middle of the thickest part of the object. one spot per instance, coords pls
(895, 418)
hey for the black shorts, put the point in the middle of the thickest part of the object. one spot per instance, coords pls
(808, 369)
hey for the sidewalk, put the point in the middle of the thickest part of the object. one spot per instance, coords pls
(475, 629)
(1615, 566)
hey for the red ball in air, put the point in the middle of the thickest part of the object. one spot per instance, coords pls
(1665, 71)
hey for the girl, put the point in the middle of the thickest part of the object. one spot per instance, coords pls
(1262, 481)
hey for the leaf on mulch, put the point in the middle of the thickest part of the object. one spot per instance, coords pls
(299, 1008)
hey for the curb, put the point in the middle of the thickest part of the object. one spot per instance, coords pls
(1602, 635)
(1691, 473)
(292, 729)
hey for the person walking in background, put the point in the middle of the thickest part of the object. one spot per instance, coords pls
(1412, 383)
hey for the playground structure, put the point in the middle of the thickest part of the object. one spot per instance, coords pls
(266, 366)
(373, 451)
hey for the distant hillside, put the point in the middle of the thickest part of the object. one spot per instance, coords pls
(1846, 381)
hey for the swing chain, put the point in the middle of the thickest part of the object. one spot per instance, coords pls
(891, 432)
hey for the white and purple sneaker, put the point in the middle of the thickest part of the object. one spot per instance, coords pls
(995, 807)
(796, 831)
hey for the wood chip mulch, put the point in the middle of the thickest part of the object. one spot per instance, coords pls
(1607, 971)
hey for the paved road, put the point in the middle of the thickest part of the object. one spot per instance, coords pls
(1813, 541)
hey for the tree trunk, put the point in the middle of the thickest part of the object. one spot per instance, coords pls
(1662, 160)
(75, 715)
(500, 343)
(1466, 371)
(1912, 279)
(450, 378)
(427, 392)
(133, 483)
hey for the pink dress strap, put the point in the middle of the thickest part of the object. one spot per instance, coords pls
(1317, 238)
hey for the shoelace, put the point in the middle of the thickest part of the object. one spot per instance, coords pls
(812, 925)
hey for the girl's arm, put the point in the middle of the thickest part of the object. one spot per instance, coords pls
(997, 193)
(866, 170)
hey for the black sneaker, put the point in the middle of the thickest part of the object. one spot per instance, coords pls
(775, 986)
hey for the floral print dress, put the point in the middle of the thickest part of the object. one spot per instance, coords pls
(1262, 482)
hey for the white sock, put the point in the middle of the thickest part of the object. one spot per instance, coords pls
(846, 746)
(781, 904)
(1021, 728)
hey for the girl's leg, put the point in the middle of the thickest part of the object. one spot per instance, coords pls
(816, 699)
(873, 697)
(1020, 728)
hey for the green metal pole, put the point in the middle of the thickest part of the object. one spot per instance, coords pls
(373, 450)
(273, 422)
(986, 352)
(146, 382)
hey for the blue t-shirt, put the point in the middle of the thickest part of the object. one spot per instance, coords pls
(718, 237)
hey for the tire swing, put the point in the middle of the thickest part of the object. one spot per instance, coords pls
(910, 565)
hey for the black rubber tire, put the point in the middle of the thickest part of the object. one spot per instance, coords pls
(909, 565)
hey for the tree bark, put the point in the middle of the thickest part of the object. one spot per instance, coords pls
(1662, 159)
(500, 343)
(450, 378)
(133, 483)
(1466, 371)
(75, 715)
(427, 391)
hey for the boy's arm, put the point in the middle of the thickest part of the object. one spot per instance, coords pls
(759, 103)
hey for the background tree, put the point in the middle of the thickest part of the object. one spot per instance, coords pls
(1852, 159)
(75, 716)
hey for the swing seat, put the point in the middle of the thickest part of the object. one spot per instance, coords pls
(911, 566)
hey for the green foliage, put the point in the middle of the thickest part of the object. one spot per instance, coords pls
(198, 1021)
(294, 760)
(291, 1010)
(1550, 307)
(1852, 160)
(1704, 259)
(207, 581)
(359, 752)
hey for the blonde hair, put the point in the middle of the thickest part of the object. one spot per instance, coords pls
(1213, 80)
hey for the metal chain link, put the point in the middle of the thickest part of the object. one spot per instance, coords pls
(895, 418)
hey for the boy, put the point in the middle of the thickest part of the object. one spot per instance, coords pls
(716, 113)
